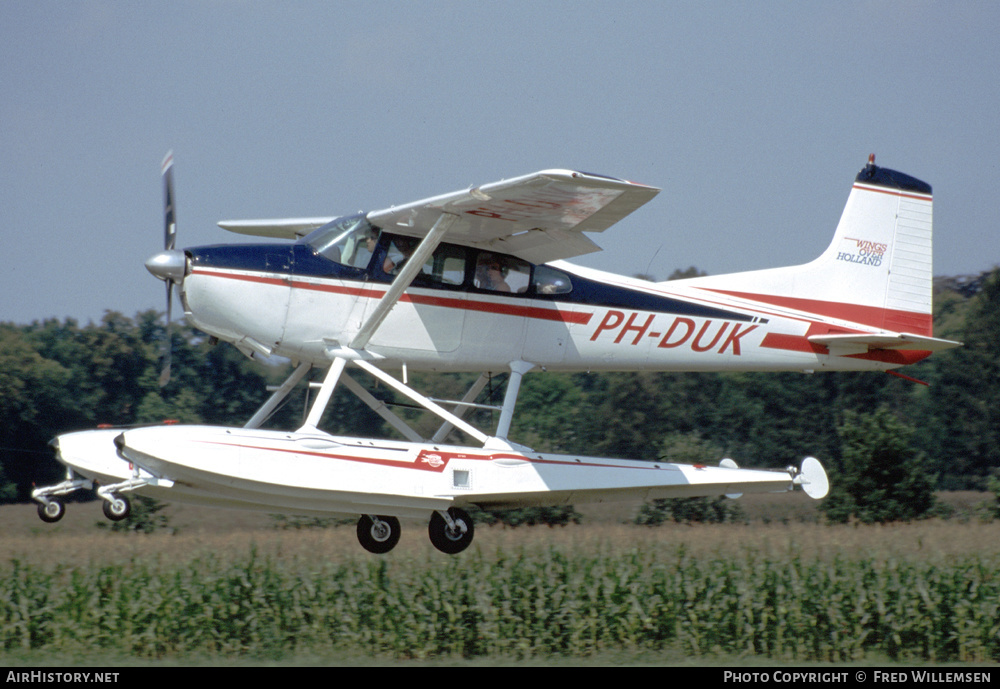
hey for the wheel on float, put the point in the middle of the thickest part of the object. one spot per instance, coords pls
(117, 508)
(51, 511)
(451, 540)
(378, 535)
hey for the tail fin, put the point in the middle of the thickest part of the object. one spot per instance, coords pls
(877, 271)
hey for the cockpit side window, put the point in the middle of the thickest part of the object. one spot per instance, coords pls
(348, 241)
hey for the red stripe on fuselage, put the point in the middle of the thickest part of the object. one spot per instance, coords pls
(873, 316)
(901, 357)
(792, 343)
(551, 314)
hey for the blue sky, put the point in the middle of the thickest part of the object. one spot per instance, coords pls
(753, 117)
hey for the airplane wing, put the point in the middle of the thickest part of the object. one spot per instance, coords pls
(539, 217)
(283, 228)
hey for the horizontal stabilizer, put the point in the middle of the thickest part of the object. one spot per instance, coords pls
(863, 342)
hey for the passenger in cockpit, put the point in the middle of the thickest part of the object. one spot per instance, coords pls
(490, 273)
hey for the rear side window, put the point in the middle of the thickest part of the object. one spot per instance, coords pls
(551, 281)
(445, 268)
(502, 273)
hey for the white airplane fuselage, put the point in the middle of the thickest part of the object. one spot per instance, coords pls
(676, 326)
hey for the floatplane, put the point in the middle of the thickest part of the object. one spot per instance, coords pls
(476, 281)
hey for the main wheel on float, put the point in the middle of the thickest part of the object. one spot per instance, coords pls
(379, 534)
(117, 508)
(454, 538)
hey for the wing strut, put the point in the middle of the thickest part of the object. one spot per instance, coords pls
(410, 270)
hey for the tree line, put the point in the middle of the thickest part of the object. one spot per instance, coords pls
(57, 376)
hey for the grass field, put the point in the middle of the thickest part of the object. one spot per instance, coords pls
(227, 585)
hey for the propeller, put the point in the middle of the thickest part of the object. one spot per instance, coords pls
(169, 242)
(170, 264)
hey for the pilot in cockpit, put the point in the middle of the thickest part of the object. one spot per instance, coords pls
(365, 248)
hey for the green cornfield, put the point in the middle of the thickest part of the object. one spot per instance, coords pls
(554, 594)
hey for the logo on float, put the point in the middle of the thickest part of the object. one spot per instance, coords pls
(435, 461)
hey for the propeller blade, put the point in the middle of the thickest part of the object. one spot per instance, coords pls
(167, 340)
(169, 219)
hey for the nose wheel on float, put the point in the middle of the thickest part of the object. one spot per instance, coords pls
(116, 507)
(52, 510)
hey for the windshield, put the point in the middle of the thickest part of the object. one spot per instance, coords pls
(349, 241)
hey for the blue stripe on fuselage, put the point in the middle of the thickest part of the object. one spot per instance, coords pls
(299, 259)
